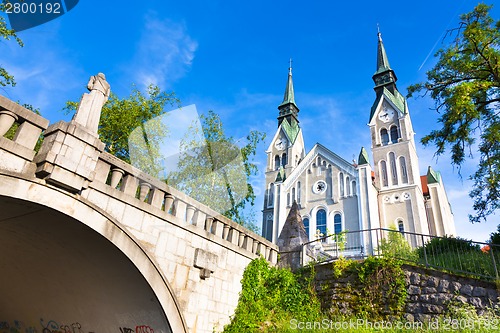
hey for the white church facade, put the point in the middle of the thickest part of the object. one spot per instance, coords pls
(334, 195)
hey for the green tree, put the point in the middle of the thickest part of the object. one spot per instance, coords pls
(120, 117)
(7, 79)
(215, 171)
(495, 237)
(396, 246)
(465, 84)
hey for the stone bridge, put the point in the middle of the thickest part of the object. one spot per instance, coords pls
(89, 243)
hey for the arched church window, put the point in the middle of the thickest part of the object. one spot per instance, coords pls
(305, 220)
(394, 170)
(401, 226)
(348, 187)
(288, 199)
(341, 184)
(298, 192)
(293, 195)
(269, 227)
(384, 136)
(383, 172)
(321, 222)
(284, 160)
(337, 223)
(270, 201)
(404, 172)
(394, 134)
(353, 191)
(276, 162)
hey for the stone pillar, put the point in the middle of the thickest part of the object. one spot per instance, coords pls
(69, 153)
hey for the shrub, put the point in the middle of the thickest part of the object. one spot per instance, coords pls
(271, 297)
(396, 246)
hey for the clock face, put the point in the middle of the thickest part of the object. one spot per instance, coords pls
(319, 187)
(280, 144)
(386, 114)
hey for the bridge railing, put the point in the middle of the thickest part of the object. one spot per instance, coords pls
(21, 146)
(125, 178)
(29, 127)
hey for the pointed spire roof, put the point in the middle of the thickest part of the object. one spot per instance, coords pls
(363, 157)
(288, 109)
(382, 60)
(384, 77)
(291, 239)
(293, 233)
(281, 176)
(385, 82)
(289, 97)
(433, 176)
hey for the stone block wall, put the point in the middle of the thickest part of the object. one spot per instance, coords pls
(429, 292)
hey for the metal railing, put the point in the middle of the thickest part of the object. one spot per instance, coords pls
(451, 254)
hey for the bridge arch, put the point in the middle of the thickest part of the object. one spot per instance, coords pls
(65, 256)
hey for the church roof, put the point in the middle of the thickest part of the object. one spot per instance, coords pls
(396, 99)
(382, 60)
(281, 176)
(363, 157)
(292, 131)
(289, 97)
(327, 155)
(433, 176)
(425, 188)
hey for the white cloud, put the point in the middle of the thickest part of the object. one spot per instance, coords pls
(164, 54)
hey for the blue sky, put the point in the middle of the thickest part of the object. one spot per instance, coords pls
(232, 57)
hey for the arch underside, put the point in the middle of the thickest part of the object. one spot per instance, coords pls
(58, 274)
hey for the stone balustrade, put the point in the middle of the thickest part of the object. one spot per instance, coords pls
(125, 178)
(16, 154)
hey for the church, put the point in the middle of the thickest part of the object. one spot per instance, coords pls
(334, 195)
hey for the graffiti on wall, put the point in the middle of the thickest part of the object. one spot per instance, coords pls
(138, 329)
(51, 326)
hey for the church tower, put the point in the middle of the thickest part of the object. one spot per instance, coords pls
(397, 175)
(283, 155)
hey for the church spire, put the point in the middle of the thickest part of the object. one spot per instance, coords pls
(384, 76)
(382, 61)
(289, 96)
(288, 109)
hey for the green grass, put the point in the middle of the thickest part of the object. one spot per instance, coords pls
(473, 263)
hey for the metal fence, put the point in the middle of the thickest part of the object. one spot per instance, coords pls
(455, 255)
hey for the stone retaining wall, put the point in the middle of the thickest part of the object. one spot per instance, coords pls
(429, 292)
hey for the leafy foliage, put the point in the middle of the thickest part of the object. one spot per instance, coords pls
(374, 290)
(7, 79)
(457, 255)
(396, 246)
(465, 84)
(495, 236)
(119, 118)
(439, 245)
(383, 288)
(270, 297)
(217, 172)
